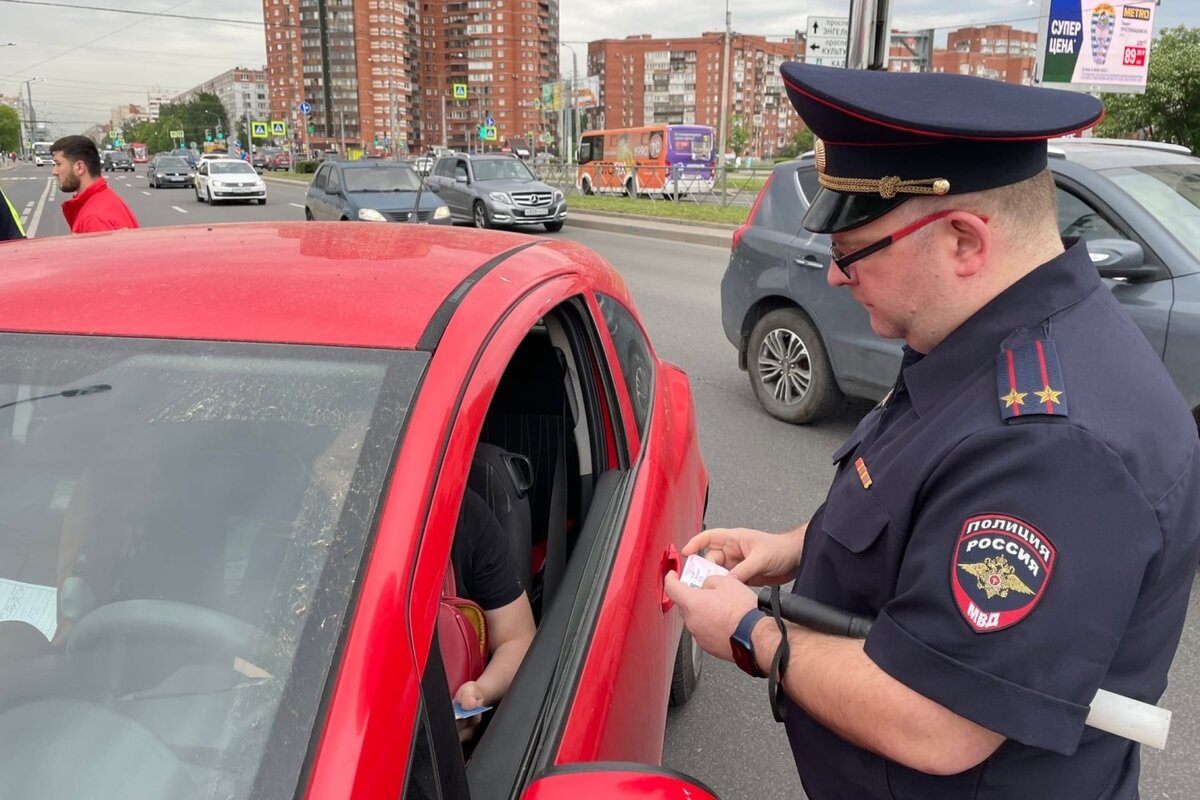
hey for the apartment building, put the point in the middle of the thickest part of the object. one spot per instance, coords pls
(644, 80)
(382, 73)
(998, 52)
(242, 91)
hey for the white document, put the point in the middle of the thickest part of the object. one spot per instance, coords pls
(697, 568)
(30, 602)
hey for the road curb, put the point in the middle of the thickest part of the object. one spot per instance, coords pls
(647, 226)
(655, 228)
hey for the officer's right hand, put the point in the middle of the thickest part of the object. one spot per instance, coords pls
(756, 558)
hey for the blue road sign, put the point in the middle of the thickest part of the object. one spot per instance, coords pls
(491, 121)
(305, 107)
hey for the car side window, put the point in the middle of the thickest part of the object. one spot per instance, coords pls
(333, 184)
(633, 353)
(460, 170)
(808, 183)
(1077, 218)
(322, 177)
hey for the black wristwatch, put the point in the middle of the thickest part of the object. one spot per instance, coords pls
(743, 648)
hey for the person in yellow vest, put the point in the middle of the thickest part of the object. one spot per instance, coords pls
(10, 220)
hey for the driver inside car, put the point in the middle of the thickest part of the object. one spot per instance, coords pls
(485, 571)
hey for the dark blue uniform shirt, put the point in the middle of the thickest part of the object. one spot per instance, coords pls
(1015, 565)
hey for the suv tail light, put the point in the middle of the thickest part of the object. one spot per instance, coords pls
(737, 235)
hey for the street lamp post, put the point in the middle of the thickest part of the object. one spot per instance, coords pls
(32, 111)
(570, 154)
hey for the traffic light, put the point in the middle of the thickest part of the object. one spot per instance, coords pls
(312, 128)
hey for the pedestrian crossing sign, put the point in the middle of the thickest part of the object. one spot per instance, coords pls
(278, 127)
(258, 130)
(460, 91)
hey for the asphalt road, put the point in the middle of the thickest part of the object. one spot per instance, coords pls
(764, 474)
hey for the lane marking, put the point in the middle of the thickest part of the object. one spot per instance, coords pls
(297, 205)
(180, 210)
(31, 231)
(146, 193)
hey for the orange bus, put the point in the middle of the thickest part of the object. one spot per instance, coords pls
(660, 160)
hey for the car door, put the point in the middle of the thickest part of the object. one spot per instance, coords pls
(1082, 213)
(335, 197)
(575, 697)
(202, 179)
(457, 189)
(318, 204)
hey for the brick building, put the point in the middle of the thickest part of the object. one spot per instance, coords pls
(240, 90)
(998, 52)
(383, 70)
(644, 81)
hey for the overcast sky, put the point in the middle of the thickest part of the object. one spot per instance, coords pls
(92, 60)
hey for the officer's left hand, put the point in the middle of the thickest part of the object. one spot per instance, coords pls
(714, 611)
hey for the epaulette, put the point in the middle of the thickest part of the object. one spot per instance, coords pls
(1029, 380)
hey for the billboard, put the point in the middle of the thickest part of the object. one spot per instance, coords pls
(552, 96)
(587, 92)
(1096, 45)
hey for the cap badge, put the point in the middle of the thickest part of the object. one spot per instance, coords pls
(819, 155)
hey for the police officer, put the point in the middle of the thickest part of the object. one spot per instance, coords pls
(1021, 513)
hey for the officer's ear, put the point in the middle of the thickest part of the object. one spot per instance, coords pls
(972, 242)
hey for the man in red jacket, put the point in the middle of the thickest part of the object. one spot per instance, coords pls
(95, 207)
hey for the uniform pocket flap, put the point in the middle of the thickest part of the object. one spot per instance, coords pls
(852, 516)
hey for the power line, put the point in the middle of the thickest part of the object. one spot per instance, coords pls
(164, 14)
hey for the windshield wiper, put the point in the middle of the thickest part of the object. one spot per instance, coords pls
(80, 392)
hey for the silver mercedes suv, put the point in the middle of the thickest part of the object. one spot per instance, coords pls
(495, 189)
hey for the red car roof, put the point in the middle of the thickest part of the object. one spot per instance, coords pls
(370, 285)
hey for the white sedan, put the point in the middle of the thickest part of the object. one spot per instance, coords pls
(228, 179)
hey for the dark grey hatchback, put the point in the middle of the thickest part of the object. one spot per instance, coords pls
(372, 191)
(807, 345)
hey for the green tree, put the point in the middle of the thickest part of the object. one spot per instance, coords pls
(10, 130)
(203, 113)
(1169, 110)
(801, 143)
(739, 134)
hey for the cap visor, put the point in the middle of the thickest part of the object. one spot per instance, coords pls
(833, 212)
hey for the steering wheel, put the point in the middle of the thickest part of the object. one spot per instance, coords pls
(164, 619)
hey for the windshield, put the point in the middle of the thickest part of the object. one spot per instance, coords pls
(180, 523)
(230, 167)
(502, 169)
(172, 163)
(1171, 193)
(398, 178)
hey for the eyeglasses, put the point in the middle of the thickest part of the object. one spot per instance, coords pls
(844, 259)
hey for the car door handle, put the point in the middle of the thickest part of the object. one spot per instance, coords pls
(808, 261)
(671, 560)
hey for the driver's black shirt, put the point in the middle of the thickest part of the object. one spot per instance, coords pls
(484, 566)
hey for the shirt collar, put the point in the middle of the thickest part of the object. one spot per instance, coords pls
(973, 345)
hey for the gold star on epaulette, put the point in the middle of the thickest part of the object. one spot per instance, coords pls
(1049, 395)
(1014, 398)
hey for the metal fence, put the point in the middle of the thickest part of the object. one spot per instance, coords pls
(728, 187)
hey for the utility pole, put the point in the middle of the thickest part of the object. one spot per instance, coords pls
(32, 111)
(342, 125)
(870, 35)
(725, 95)
(445, 124)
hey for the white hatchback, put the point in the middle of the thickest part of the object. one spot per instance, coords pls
(228, 179)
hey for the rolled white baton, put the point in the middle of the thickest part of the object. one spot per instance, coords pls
(1112, 713)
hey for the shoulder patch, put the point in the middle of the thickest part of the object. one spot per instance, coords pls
(1000, 569)
(1029, 380)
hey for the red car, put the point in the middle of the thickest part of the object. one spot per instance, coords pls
(232, 479)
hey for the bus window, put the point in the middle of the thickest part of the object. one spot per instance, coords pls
(591, 149)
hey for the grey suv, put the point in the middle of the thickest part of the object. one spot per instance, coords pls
(806, 345)
(496, 189)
